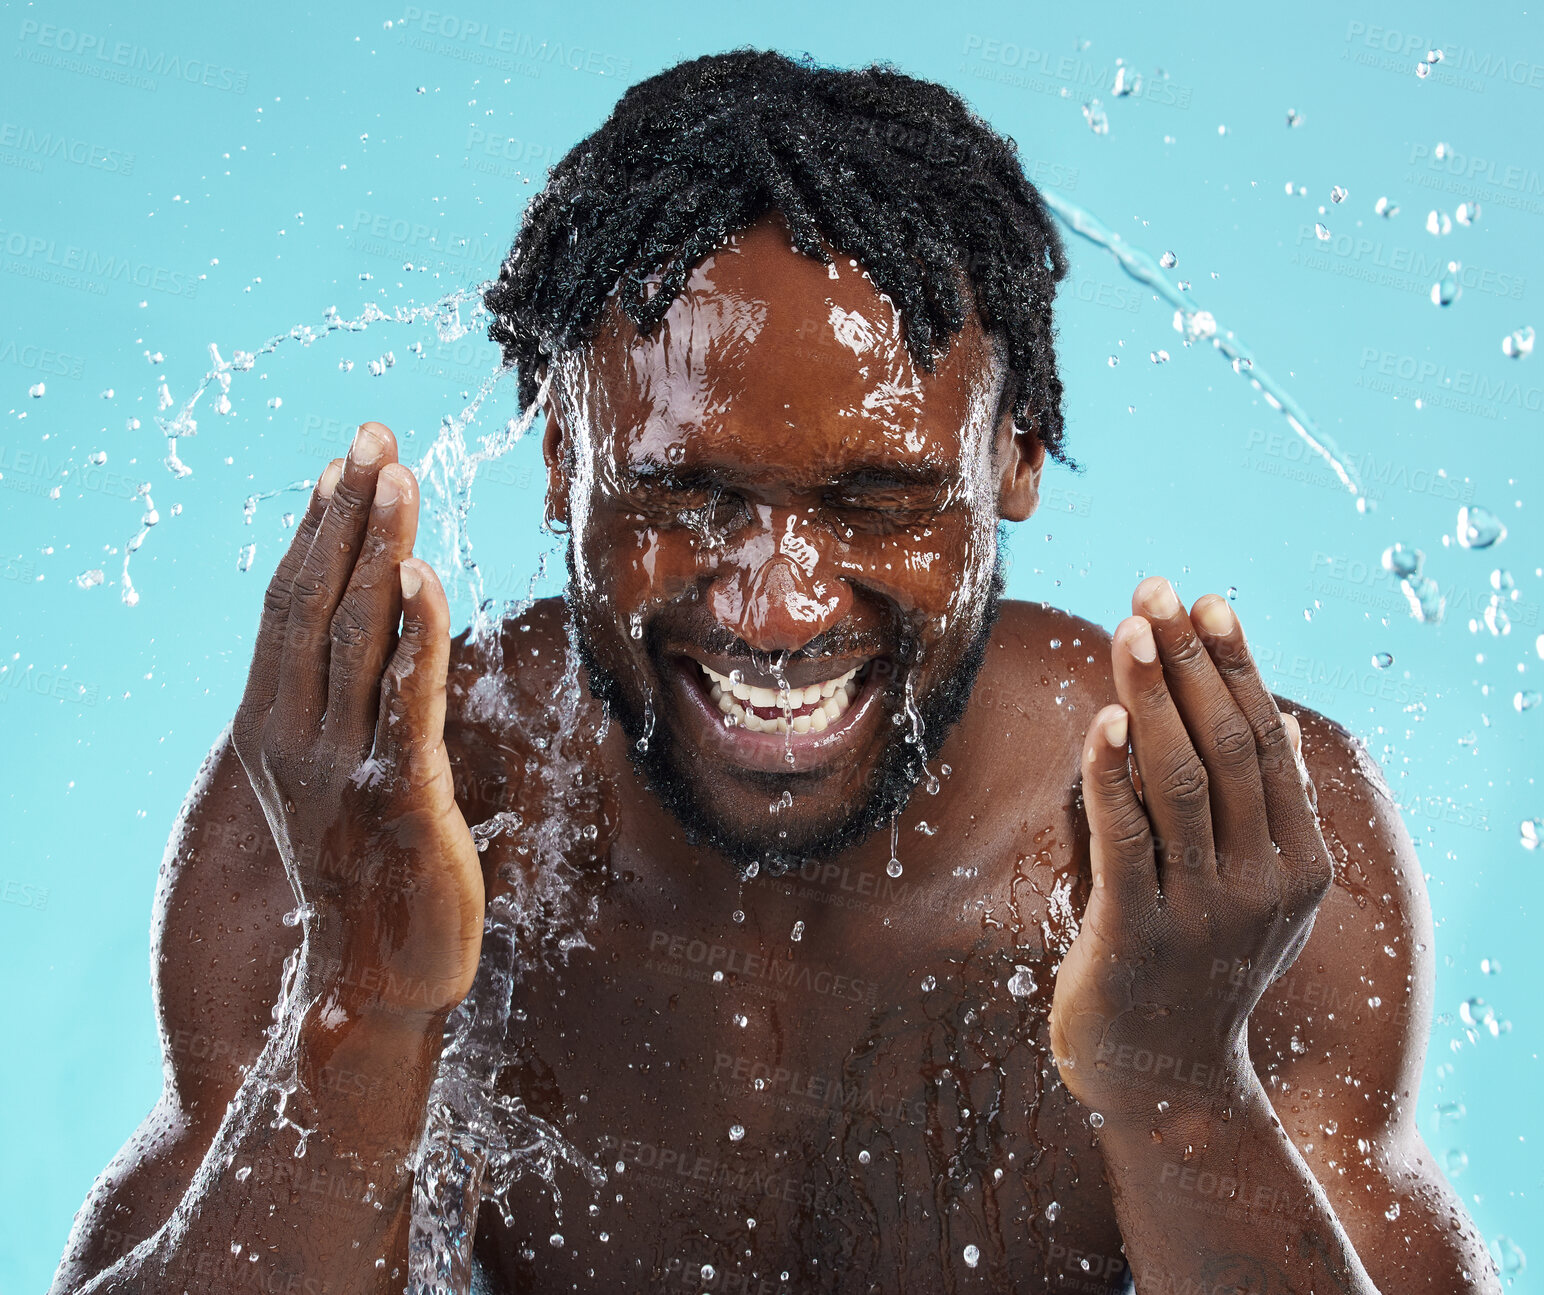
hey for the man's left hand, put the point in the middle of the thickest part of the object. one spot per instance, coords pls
(1208, 867)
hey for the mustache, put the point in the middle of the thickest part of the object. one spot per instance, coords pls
(838, 641)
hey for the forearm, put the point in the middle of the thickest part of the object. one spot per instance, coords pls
(307, 1185)
(1212, 1196)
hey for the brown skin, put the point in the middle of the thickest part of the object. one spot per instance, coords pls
(1232, 1152)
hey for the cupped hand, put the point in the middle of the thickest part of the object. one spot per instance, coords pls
(341, 732)
(1207, 867)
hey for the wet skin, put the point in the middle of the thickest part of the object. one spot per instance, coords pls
(917, 1072)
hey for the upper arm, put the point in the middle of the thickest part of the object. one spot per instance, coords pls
(1340, 1039)
(218, 945)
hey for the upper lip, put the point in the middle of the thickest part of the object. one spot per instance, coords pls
(799, 674)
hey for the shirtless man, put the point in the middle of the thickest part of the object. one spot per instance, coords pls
(981, 949)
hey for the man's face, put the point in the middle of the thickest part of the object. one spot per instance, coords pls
(766, 495)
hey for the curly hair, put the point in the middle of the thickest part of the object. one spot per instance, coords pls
(896, 172)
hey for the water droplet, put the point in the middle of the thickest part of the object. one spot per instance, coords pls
(1445, 291)
(893, 868)
(1022, 983)
(929, 984)
(1526, 700)
(1382, 660)
(1321, 231)
(244, 558)
(1509, 1256)
(1095, 1119)
(1338, 193)
(1158, 357)
(1232, 593)
(1385, 208)
(1168, 260)
(556, 1239)
(1294, 117)
(37, 390)
(737, 916)
(972, 1256)
(708, 1272)
(1094, 115)
(1479, 528)
(1403, 562)
(1518, 343)
(736, 1132)
(741, 1019)
(864, 1157)
(90, 579)
(1456, 1161)
(798, 931)
(1438, 223)
(1530, 832)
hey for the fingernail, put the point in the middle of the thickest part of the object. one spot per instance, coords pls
(387, 489)
(412, 581)
(1140, 643)
(1161, 599)
(1115, 727)
(368, 446)
(1294, 730)
(329, 481)
(1216, 617)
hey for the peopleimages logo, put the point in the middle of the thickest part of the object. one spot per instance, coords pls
(43, 258)
(1480, 391)
(55, 146)
(1458, 61)
(120, 61)
(473, 35)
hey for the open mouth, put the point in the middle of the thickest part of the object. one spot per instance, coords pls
(809, 709)
(803, 724)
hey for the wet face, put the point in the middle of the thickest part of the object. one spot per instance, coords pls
(784, 555)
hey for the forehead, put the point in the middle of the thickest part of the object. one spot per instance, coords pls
(769, 358)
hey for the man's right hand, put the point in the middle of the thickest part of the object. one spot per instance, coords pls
(341, 732)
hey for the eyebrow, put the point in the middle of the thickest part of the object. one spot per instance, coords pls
(876, 475)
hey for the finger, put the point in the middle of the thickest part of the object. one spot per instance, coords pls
(268, 649)
(364, 626)
(1218, 730)
(1283, 779)
(1125, 893)
(411, 727)
(1174, 781)
(323, 575)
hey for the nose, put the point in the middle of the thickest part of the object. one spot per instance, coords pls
(774, 597)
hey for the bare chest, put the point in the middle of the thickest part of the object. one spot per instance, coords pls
(866, 1104)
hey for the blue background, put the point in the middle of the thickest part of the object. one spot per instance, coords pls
(236, 173)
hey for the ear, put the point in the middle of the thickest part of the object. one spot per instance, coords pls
(1018, 457)
(554, 452)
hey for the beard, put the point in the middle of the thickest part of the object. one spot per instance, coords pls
(665, 766)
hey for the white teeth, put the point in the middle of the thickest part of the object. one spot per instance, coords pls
(830, 700)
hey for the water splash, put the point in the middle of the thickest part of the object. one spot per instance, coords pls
(1197, 324)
